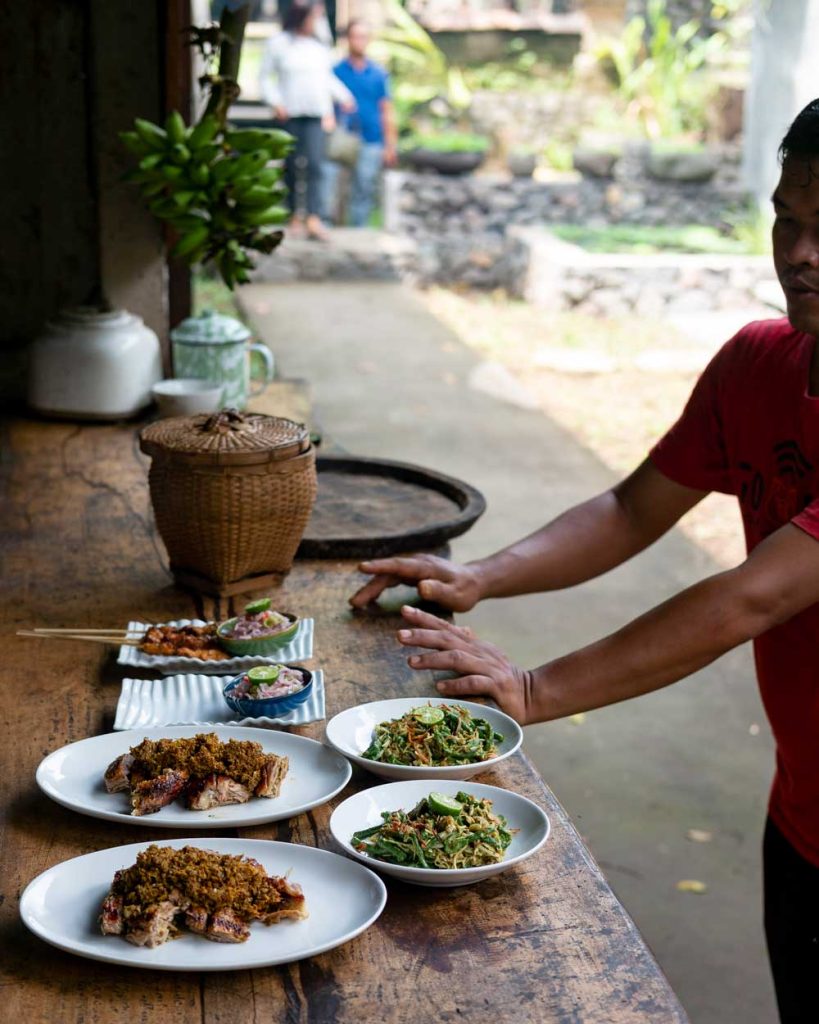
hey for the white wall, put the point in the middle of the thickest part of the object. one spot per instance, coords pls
(784, 77)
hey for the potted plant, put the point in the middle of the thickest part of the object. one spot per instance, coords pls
(521, 161)
(450, 152)
(219, 189)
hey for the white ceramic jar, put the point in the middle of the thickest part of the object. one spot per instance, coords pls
(89, 364)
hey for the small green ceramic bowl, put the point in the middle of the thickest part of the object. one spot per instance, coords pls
(256, 644)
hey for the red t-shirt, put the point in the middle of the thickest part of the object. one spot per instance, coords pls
(750, 429)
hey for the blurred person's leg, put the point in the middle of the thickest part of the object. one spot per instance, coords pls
(314, 140)
(366, 175)
(329, 191)
(293, 162)
(791, 927)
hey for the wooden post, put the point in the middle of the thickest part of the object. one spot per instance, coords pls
(178, 95)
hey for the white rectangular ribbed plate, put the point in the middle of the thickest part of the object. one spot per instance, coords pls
(198, 700)
(300, 648)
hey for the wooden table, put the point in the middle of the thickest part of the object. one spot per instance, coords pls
(544, 942)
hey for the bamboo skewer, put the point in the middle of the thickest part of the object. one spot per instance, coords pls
(84, 631)
(128, 641)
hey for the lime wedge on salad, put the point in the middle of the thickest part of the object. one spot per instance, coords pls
(262, 605)
(440, 803)
(264, 674)
(428, 715)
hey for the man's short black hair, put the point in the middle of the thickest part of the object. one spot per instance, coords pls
(802, 138)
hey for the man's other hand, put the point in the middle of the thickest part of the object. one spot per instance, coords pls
(481, 668)
(455, 587)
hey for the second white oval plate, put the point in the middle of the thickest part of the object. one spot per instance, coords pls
(73, 777)
(351, 732)
(62, 906)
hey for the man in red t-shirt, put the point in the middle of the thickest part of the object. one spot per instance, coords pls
(750, 428)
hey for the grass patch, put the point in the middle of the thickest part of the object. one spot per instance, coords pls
(644, 239)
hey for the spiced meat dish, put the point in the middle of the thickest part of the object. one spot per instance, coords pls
(213, 895)
(202, 770)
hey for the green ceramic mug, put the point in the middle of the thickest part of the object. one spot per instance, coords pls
(215, 347)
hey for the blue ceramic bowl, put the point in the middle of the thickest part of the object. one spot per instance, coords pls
(267, 707)
(257, 644)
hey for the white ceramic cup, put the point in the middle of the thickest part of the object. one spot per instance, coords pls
(186, 396)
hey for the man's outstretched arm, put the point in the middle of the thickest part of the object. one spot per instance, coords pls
(779, 579)
(584, 542)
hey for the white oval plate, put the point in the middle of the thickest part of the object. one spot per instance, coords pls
(62, 905)
(351, 732)
(363, 810)
(73, 776)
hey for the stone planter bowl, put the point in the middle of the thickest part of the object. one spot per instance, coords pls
(521, 165)
(444, 163)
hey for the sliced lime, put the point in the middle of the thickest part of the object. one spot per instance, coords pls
(428, 715)
(262, 605)
(264, 673)
(440, 803)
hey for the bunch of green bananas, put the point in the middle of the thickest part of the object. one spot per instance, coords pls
(219, 188)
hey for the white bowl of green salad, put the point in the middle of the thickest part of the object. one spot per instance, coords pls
(445, 833)
(417, 738)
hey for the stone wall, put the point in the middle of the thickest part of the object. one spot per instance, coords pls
(534, 118)
(549, 272)
(460, 223)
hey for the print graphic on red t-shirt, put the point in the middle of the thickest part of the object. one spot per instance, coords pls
(769, 505)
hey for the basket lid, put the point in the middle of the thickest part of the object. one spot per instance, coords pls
(210, 328)
(227, 437)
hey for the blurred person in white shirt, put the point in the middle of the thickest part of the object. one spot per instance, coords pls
(297, 82)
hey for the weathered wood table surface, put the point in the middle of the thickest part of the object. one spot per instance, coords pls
(544, 942)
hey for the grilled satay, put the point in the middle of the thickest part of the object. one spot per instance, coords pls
(183, 642)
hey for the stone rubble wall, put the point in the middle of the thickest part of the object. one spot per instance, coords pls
(460, 223)
(534, 118)
(548, 272)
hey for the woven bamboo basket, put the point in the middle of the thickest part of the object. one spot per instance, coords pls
(232, 494)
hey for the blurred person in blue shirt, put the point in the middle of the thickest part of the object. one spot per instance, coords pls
(372, 121)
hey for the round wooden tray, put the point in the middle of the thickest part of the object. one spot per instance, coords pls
(369, 508)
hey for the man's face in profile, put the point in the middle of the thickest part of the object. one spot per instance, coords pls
(796, 241)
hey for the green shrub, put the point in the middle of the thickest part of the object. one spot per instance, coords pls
(447, 142)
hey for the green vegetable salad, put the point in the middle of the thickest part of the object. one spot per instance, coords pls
(434, 736)
(439, 833)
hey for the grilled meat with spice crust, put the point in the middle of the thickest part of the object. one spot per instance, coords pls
(118, 774)
(111, 922)
(202, 769)
(273, 772)
(213, 895)
(214, 791)
(149, 796)
(226, 926)
(153, 926)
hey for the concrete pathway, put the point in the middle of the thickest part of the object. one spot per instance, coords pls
(390, 380)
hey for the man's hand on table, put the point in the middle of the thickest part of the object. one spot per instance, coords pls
(482, 669)
(452, 586)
